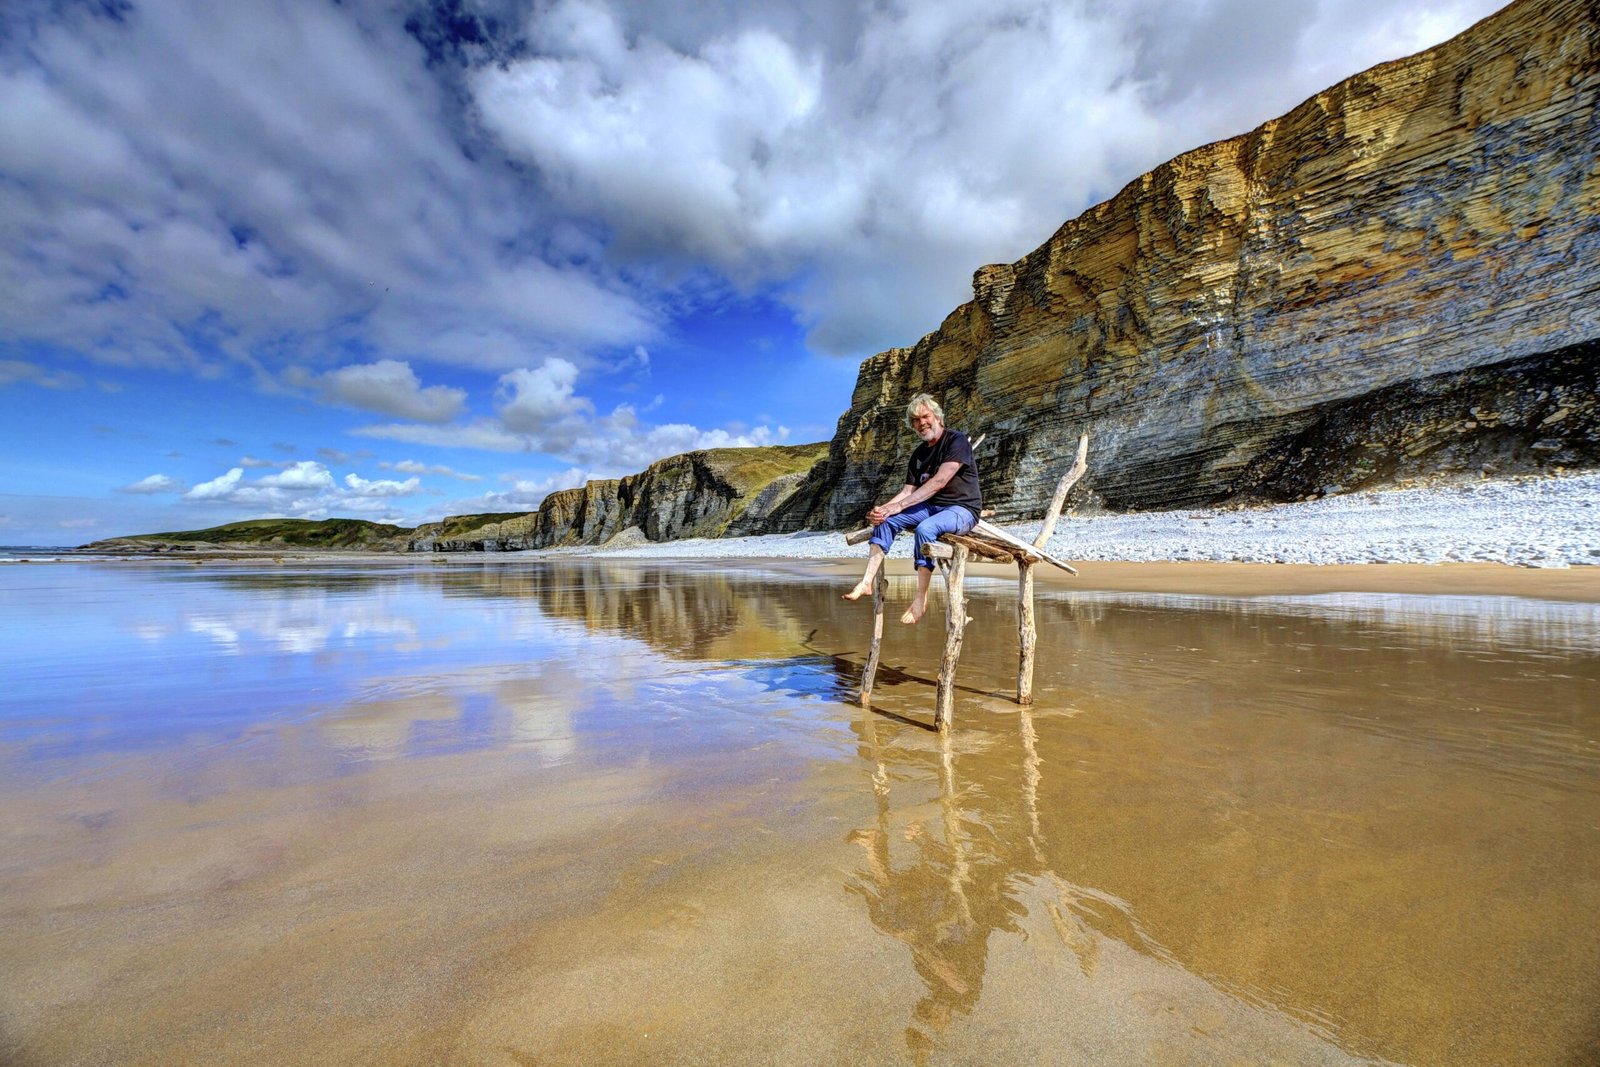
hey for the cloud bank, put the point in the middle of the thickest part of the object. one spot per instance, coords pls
(868, 159)
(196, 185)
(201, 184)
(305, 489)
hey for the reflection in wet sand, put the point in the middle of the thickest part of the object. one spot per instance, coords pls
(1354, 817)
(946, 876)
(609, 813)
(693, 613)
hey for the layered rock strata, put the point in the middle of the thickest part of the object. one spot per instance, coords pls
(1238, 320)
(712, 493)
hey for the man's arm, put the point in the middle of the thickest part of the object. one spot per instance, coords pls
(910, 496)
(891, 506)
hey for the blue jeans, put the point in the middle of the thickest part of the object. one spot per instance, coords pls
(927, 523)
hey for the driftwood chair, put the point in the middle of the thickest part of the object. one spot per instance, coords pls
(951, 553)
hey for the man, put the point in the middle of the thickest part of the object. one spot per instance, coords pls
(941, 496)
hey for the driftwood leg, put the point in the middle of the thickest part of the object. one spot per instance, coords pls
(955, 623)
(1027, 635)
(880, 593)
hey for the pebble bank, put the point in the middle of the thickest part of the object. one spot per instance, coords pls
(1529, 522)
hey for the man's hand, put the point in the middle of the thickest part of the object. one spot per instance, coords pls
(881, 513)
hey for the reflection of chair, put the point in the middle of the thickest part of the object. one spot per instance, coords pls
(950, 892)
(951, 553)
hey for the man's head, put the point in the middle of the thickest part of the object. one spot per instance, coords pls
(925, 417)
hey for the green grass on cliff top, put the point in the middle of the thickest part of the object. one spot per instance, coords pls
(456, 525)
(306, 533)
(753, 469)
(749, 470)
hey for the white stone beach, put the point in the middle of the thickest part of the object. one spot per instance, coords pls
(1551, 521)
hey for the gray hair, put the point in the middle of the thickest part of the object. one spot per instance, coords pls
(923, 400)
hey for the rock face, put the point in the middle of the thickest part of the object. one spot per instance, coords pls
(698, 494)
(1325, 301)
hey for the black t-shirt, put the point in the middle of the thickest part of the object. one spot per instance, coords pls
(951, 447)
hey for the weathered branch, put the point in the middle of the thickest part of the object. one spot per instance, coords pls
(880, 592)
(1057, 502)
(1024, 550)
(979, 547)
(955, 624)
(1027, 634)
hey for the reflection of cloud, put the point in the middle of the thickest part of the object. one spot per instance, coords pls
(542, 712)
(359, 628)
(382, 728)
(302, 624)
(217, 630)
(289, 636)
(306, 638)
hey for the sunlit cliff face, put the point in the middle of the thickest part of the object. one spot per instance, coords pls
(927, 425)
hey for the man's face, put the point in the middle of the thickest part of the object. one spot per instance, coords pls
(927, 424)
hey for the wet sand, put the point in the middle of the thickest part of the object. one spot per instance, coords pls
(1298, 579)
(587, 813)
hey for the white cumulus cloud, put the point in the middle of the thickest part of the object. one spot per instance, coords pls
(387, 386)
(218, 488)
(305, 474)
(155, 483)
(381, 486)
(306, 489)
(542, 400)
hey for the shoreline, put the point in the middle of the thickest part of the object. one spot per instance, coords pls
(1170, 577)
(1479, 538)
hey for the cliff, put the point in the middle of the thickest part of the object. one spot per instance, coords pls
(713, 493)
(1400, 275)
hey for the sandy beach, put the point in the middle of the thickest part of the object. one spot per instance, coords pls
(499, 810)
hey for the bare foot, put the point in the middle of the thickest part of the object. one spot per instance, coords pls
(863, 587)
(914, 613)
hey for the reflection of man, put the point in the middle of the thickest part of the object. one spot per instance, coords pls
(940, 496)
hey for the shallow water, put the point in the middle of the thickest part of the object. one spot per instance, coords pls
(511, 812)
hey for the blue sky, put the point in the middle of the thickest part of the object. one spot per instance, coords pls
(402, 260)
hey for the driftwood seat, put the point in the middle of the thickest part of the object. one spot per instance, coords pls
(951, 552)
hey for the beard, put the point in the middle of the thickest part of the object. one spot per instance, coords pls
(930, 433)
